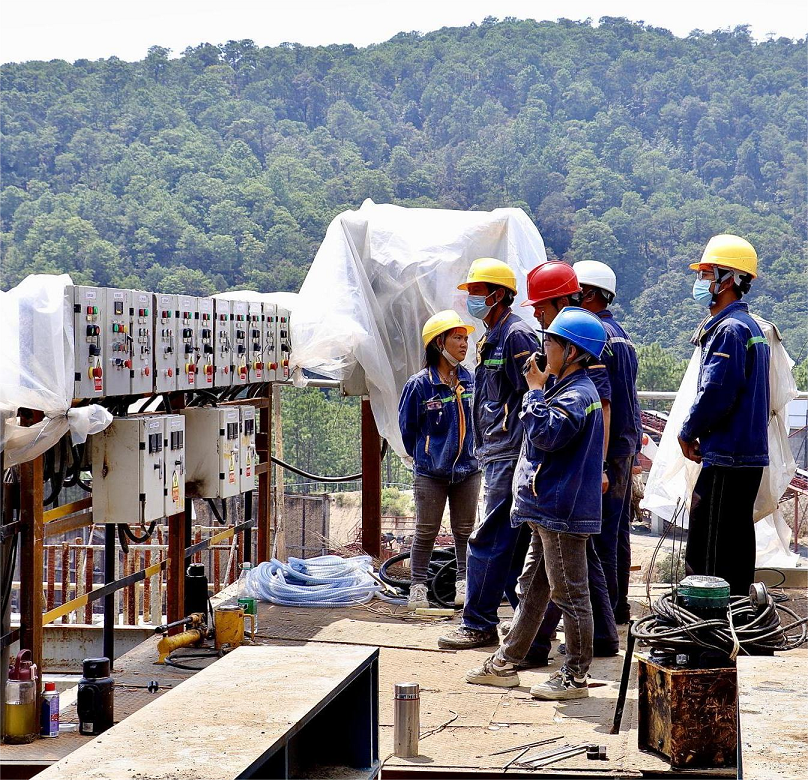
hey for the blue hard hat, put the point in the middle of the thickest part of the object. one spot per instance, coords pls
(580, 327)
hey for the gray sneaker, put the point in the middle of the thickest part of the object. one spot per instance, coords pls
(466, 638)
(418, 597)
(562, 685)
(492, 673)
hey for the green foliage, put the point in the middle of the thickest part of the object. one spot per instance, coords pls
(669, 568)
(222, 168)
(659, 369)
(395, 503)
(801, 374)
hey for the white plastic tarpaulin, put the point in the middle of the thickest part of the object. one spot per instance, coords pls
(36, 369)
(672, 476)
(380, 273)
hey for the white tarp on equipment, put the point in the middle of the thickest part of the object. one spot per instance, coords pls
(36, 369)
(380, 273)
(672, 476)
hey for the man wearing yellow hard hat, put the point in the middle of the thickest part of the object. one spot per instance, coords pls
(726, 428)
(434, 415)
(494, 563)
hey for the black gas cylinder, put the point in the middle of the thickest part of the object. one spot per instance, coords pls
(196, 590)
(96, 697)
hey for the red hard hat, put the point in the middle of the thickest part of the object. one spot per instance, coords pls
(550, 280)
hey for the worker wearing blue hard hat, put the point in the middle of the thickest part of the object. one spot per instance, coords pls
(557, 493)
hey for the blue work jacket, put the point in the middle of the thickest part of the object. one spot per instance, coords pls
(558, 477)
(499, 388)
(730, 415)
(435, 425)
(615, 378)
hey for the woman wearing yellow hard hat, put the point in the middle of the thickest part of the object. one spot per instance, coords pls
(434, 415)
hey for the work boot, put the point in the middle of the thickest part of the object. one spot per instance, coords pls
(465, 638)
(533, 662)
(501, 675)
(460, 593)
(562, 685)
(418, 596)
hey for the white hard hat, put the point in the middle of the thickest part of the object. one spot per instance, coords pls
(596, 274)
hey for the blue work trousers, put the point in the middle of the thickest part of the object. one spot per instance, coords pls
(606, 640)
(613, 543)
(496, 552)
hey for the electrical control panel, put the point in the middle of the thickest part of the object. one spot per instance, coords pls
(142, 342)
(255, 343)
(240, 311)
(165, 343)
(222, 343)
(284, 342)
(247, 448)
(271, 364)
(88, 320)
(205, 368)
(117, 342)
(187, 342)
(212, 451)
(174, 451)
(129, 470)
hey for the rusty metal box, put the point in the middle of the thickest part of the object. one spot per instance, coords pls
(688, 715)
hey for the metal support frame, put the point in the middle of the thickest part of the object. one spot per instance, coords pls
(31, 527)
(371, 483)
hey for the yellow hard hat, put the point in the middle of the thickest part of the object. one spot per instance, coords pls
(729, 251)
(440, 323)
(490, 271)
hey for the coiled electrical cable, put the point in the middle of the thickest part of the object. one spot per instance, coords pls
(440, 578)
(324, 581)
(747, 629)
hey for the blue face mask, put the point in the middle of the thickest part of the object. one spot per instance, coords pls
(701, 291)
(477, 306)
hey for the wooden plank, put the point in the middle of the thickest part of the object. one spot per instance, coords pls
(371, 483)
(773, 703)
(175, 579)
(242, 707)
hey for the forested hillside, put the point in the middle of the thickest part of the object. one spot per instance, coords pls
(222, 168)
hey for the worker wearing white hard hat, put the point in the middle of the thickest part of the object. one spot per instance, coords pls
(615, 377)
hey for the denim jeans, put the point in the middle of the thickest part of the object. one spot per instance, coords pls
(613, 543)
(606, 638)
(555, 567)
(431, 495)
(495, 554)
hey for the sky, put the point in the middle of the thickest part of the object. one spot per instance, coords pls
(95, 29)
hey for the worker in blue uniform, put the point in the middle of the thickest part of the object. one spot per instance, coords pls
(558, 497)
(493, 565)
(726, 428)
(434, 415)
(615, 377)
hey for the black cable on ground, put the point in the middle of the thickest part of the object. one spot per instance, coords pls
(170, 661)
(440, 580)
(746, 629)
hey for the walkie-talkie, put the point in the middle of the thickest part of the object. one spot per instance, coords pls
(540, 355)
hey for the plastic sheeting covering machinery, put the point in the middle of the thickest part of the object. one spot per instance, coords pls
(36, 369)
(380, 273)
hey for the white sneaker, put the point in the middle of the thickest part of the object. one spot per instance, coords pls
(418, 596)
(460, 593)
(492, 673)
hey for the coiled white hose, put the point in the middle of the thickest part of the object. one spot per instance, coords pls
(324, 581)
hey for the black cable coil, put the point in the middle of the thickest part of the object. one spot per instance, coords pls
(440, 578)
(747, 629)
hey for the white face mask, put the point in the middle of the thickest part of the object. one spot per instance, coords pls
(453, 362)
